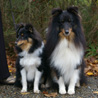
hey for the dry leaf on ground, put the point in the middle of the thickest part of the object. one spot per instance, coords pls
(25, 93)
(51, 94)
(91, 66)
(45, 92)
(95, 92)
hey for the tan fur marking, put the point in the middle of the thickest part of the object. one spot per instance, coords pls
(25, 45)
(61, 34)
(69, 37)
(71, 34)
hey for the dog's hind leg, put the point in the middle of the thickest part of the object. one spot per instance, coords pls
(24, 80)
(37, 80)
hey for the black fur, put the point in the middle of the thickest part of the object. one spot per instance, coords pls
(29, 32)
(59, 17)
(18, 75)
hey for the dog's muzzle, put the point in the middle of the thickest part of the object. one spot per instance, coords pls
(66, 32)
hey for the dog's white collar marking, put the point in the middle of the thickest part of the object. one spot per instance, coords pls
(31, 59)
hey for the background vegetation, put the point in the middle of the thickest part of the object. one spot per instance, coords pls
(38, 12)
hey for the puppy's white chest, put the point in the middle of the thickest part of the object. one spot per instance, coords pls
(66, 56)
(30, 61)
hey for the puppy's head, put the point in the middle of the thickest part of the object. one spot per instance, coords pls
(67, 21)
(24, 36)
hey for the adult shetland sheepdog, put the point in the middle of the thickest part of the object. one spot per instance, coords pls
(29, 47)
(64, 49)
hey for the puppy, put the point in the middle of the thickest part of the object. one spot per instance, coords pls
(29, 47)
(64, 50)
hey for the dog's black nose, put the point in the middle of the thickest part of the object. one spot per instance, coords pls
(67, 32)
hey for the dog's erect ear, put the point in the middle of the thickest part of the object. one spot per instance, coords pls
(56, 11)
(29, 27)
(18, 27)
(73, 10)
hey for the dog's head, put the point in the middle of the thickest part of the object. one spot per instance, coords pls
(67, 21)
(25, 36)
(64, 24)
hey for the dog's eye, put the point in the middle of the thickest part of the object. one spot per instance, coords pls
(22, 34)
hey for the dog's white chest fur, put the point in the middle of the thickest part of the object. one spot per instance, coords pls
(66, 57)
(30, 62)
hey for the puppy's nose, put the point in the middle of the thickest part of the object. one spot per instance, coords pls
(66, 32)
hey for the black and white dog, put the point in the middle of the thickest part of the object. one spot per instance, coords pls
(64, 50)
(29, 47)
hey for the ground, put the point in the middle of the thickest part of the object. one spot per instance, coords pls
(89, 91)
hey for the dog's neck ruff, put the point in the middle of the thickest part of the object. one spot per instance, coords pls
(66, 56)
(37, 52)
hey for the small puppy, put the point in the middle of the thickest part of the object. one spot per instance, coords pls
(29, 47)
(64, 50)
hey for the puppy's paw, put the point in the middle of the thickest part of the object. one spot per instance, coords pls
(23, 90)
(36, 91)
(62, 91)
(71, 91)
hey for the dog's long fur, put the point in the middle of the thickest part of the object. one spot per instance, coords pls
(64, 50)
(29, 47)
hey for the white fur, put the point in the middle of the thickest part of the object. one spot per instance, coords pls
(62, 89)
(36, 81)
(30, 62)
(24, 82)
(66, 57)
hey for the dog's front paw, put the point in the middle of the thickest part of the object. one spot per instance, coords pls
(23, 90)
(62, 91)
(71, 91)
(36, 91)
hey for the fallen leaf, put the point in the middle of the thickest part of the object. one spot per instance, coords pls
(87, 69)
(89, 73)
(96, 61)
(92, 59)
(95, 92)
(25, 93)
(45, 92)
(51, 94)
(96, 69)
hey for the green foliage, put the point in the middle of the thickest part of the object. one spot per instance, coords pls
(92, 50)
(38, 13)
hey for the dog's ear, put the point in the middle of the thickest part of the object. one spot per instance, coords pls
(56, 11)
(73, 9)
(18, 27)
(29, 27)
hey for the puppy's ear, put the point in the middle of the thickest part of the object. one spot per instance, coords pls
(18, 27)
(56, 11)
(29, 27)
(73, 10)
